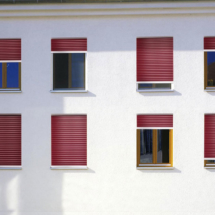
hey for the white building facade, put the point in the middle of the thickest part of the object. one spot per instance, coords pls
(111, 183)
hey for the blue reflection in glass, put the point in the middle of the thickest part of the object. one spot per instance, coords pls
(0, 75)
(210, 57)
(12, 75)
(78, 70)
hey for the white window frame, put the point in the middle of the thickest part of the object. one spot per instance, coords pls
(156, 89)
(52, 75)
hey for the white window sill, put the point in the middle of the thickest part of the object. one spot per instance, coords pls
(68, 167)
(209, 90)
(211, 167)
(155, 168)
(154, 91)
(10, 91)
(10, 167)
(68, 91)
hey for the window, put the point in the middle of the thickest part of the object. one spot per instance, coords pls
(69, 64)
(69, 142)
(209, 145)
(209, 63)
(10, 64)
(154, 64)
(154, 141)
(10, 141)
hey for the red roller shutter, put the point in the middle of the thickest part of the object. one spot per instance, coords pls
(209, 43)
(210, 136)
(154, 120)
(69, 140)
(69, 44)
(155, 59)
(10, 140)
(10, 49)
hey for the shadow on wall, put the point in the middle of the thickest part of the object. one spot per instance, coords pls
(174, 93)
(9, 191)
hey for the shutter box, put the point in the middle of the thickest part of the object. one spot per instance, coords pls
(150, 121)
(69, 45)
(10, 49)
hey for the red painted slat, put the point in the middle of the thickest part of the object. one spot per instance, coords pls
(209, 43)
(10, 49)
(210, 136)
(155, 59)
(10, 140)
(69, 44)
(69, 140)
(154, 120)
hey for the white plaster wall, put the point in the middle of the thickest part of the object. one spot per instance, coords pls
(112, 184)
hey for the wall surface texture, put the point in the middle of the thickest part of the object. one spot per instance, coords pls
(112, 184)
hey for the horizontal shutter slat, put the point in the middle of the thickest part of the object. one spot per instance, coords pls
(10, 49)
(69, 44)
(154, 120)
(10, 140)
(155, 59)
(69, 140)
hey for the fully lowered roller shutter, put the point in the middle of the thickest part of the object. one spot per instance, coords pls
(10, 49)
(210, 136)
(155, 59)
(10, 140)
(154, 120)
(69, 140)
(69, 45)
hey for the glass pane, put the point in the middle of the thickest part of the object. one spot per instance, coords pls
(12, 75)
(78, 70)
(211, 68)
(145, 146)
(0, 75)
(60, 68)
(163, 146)
(154, 86)
(211, 161)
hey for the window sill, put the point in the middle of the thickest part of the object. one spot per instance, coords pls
(68, 167)
(155, 168)
(10, 167)
(154, 91)
(211, 167)
(10, 91)
(68, 91)
(209, 90)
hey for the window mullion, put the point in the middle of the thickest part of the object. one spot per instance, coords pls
(206, 68)
(20, 76)
(70, 70)
(138, 147)
(4, 75)
(154, 146)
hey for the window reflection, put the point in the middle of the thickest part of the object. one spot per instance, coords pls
(211, 69)
(145, 146)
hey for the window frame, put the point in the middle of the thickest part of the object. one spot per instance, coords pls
(4, 76)
(155, 89)
(69, 90)
(154, 148)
